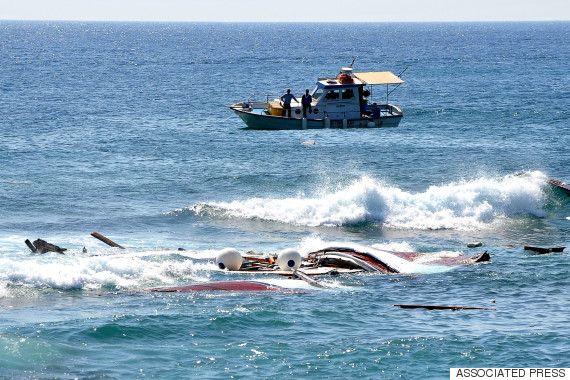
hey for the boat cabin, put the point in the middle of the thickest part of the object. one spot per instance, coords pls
(338, 98)
(345, 96)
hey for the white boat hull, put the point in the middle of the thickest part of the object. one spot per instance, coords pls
(255, 117)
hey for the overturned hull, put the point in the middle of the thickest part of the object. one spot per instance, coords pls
(376, 260)
(224, 286)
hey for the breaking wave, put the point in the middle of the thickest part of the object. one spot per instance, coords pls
(105, 272)
(463, 205)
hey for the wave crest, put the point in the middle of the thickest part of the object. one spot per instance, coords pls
(462, 205)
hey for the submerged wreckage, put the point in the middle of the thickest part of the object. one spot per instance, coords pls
(341, 258)
(346, 258)
(330, 259)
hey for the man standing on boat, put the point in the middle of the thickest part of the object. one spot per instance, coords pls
(286, 99)
(306, 102)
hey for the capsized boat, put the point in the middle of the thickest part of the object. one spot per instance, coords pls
(335, 259)
(343, 101)
(353, 256)
(345, 258)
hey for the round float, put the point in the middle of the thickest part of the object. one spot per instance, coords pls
(229, 259)
(289, 259)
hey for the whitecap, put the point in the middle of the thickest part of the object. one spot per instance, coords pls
(463, 205)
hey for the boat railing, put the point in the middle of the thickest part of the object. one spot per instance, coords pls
(394, 110)
(377, 110)
(270, 97)
(259, 103)
(249, 105)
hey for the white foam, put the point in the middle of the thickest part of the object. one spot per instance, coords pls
(463, 205)
(127, 270)
(314, 243)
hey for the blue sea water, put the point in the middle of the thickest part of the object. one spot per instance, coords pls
(121, 128)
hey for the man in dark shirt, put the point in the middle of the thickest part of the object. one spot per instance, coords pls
(306, 102)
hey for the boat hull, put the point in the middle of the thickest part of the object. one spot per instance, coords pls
(260, 121)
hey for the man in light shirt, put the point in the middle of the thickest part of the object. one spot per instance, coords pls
(286, 99)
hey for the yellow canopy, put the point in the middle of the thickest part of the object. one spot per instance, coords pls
(378, 77)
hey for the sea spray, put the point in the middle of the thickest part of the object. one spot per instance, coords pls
(463, 205)
(313, 243)
(131, 270)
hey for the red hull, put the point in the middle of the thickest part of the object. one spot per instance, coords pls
(236, 286)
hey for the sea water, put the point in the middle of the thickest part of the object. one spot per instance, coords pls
(121, 128)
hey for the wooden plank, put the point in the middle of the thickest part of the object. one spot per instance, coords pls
(543, 250)
(267, 260)
(31, 246)
(440, 307)
(105, 240)
(303, 276)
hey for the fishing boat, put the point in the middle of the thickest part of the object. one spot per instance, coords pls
(343, 101)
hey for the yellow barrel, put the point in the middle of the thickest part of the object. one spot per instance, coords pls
(275, 109)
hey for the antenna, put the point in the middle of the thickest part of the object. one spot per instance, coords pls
(353, 61)
(401, 72)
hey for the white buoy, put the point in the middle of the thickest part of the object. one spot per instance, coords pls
(229, 259)
(289, 259)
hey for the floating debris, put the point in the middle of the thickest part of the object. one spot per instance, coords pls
(106, 241)
(42, 246)
(16, 183)
(543, 250)
(561, 185)
(441, 307)
(31, 246)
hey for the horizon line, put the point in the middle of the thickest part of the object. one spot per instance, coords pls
(289, 22)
